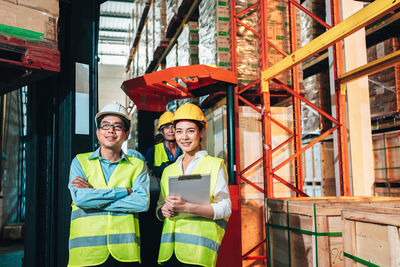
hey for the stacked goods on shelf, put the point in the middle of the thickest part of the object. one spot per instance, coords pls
(172, 7)
(214, 27)
(160, 20)
(316, 87)
(172, 58)
(386, 151)
(316, 90)
(142, 53)
(279, 34)
(30, 20)
(309, 231)
(384, 86)
(150, 33)
(319, 172)
(188, 45)
(371, 235)
(309, 27)
(248, 56)
(137, 13)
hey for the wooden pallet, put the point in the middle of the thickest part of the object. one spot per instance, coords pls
(372, 236)
(308, 231)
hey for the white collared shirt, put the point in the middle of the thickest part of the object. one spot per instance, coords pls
(222, 201)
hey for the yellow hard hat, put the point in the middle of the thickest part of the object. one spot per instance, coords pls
(165, 118)
(189, 111)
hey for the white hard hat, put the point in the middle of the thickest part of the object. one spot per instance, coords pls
(114, 108)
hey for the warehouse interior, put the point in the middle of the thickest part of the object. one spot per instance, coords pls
(302, 99)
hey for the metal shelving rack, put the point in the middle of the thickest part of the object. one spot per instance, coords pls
(331, 38)
(23, 62)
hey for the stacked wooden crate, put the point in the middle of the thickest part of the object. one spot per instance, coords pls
(318, 170)
(310, 231)
(372, 235)
(386, 151)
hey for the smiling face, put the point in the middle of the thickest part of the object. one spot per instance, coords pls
(115, 136)
(168, 131)
(187, 135)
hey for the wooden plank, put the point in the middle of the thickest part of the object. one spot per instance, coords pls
(372, 234)
(394, 241)
(349, 243)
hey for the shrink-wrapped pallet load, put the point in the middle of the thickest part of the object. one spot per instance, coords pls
(151, 25)
(160, 21)
(384, 86)
(188, 49)
(142, 53)
(214, 32)
(317, 91)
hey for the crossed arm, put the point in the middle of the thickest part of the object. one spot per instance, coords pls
(117, 199)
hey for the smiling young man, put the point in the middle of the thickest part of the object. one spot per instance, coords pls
(108, 189)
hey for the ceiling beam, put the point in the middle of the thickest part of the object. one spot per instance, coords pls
(114, 30)
(123, 1)
(115, 15)
(114, 39)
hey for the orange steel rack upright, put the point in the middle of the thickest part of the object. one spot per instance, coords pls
(269, 171)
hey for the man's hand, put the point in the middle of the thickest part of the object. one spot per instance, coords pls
(129, 190)
(79, 182)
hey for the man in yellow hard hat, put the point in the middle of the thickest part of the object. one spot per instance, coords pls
(108, 189)
(163, 154)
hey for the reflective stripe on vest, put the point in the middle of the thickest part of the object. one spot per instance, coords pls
(94, 234)
(160, 155)
(195, 240)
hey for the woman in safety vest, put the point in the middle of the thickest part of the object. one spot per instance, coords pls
(193, 240)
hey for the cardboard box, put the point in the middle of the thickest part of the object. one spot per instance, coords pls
(48, 6)
(10, 1)
(27, 23)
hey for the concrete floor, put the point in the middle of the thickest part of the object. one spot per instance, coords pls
(11, 255)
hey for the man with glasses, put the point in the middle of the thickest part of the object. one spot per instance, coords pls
(108, 189)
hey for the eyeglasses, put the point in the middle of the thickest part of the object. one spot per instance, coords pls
(107, 126)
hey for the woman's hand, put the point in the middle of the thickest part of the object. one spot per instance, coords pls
(178, 204)
(168, 211)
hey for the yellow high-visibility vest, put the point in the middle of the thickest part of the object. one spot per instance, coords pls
(160, 155)
(95, 234)
(195, 240)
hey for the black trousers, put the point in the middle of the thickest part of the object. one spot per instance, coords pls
(111, 262)
(174, 262)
